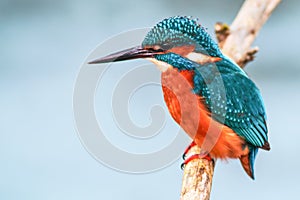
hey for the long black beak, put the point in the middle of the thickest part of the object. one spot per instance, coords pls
(127, 54)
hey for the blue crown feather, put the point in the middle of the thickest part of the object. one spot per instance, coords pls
(179, 31)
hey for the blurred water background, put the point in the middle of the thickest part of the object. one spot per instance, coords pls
(43, 44)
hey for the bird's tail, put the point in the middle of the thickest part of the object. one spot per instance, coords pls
(247, 161)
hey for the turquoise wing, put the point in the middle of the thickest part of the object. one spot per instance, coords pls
(234, 100)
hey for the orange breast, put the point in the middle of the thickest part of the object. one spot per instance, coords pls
(192, 115)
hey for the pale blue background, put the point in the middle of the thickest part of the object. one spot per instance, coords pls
(43, 44)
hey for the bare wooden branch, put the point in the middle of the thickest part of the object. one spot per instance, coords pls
(244, 29)
(197, 177)
(235, 41)
(222, 31)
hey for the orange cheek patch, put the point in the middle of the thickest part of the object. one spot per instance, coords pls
(182, 50)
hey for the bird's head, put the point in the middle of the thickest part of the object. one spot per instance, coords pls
(172, 43)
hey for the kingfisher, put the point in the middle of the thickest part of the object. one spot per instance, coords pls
(207, 94)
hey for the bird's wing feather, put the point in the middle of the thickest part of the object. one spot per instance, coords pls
(234, 100)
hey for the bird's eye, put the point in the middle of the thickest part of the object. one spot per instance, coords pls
(157, 48)
(166, 46)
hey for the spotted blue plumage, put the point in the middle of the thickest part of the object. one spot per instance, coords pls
(229, 94)
(231, 97)
(233, 100)
(179, 31)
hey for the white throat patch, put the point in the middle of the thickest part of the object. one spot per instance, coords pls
(201, 58)
(162, 66)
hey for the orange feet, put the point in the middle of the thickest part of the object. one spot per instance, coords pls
(187, 150)
(196, 156)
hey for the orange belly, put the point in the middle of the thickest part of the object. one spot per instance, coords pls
(192, 115)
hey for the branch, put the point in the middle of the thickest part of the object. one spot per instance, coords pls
(197, 177)
(235, 42)
(244, 29)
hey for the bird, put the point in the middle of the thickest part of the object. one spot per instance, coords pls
(207, 94)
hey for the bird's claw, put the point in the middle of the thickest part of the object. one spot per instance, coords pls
(196, 156)
(187, 150)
